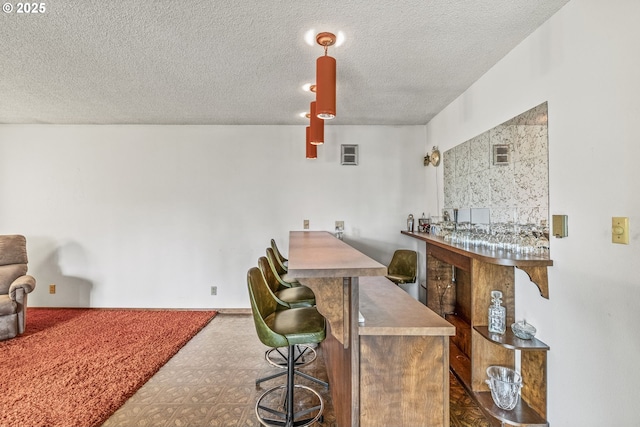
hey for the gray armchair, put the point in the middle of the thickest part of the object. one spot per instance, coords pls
(15, 284)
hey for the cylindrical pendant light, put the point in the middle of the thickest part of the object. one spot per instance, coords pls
(316, 136)
(312, 150)
(326, 79)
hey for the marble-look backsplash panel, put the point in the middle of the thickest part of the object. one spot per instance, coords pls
(517, 191)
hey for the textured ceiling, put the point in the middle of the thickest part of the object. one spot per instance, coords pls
(244, 62)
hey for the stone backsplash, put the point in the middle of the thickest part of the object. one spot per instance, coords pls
(517, 190)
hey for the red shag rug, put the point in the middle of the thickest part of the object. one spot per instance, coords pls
(75, 367)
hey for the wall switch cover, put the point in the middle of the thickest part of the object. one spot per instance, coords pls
(620, 230)
(560, 227)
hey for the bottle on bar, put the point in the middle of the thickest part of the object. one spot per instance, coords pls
(497, 314)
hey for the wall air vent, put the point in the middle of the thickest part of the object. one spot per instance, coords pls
(501, 154)
(349, 154)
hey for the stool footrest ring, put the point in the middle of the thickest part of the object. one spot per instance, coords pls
(284, 420)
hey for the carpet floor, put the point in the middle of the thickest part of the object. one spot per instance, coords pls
(75, 367)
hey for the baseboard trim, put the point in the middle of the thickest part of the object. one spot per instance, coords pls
(233, 310)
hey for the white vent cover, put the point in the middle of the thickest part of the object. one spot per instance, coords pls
(349, 154)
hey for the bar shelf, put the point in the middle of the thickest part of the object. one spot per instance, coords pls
(474, 273)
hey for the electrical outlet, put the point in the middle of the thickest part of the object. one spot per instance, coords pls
(340, 225)
(52, 289)
(305, 224)
(214, 290)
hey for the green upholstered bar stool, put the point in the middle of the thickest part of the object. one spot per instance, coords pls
(300, 296)
(403, 267)
(279, 271)
(285, 328)
(279, 256)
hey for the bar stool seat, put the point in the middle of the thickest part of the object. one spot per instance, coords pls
(284, 328)
(298, 326)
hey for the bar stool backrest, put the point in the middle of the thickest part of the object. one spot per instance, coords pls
(279, 255)
(267, 272)
(271, 256)
(404, 263)
(263, 307)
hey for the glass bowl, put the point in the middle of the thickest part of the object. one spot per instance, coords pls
(505, 385)
(523, 330)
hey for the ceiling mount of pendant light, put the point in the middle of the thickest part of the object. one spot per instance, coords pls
(309, 87)
(326, 79)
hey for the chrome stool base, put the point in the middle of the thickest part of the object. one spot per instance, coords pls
(301, 418)
(303, 355)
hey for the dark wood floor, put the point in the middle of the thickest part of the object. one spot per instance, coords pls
(210, 382)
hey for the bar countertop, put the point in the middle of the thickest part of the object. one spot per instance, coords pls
(320, 254)
(388, 310)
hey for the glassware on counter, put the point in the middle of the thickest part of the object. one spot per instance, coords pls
(542, 241)
(423, 224)
(507, 237)
(410, 223)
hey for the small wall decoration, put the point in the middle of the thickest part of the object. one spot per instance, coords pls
(349, 154)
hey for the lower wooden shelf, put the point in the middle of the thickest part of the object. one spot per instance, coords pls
(521, 415)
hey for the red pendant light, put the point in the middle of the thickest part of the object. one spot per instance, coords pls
(326, 79)
(312, 150)
(316, 136)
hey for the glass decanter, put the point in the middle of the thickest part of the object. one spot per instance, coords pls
(497, 314)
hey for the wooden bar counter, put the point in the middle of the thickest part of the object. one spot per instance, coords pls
(391, 370)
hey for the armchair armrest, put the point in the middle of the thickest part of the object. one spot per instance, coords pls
(27, 283)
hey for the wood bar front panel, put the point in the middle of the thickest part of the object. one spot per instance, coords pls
(338, 362)
(413, 371)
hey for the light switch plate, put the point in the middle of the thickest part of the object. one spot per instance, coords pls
(620, 230)
(560, 227)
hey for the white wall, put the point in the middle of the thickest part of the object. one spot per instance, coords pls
(152, 216)
(584, 62)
